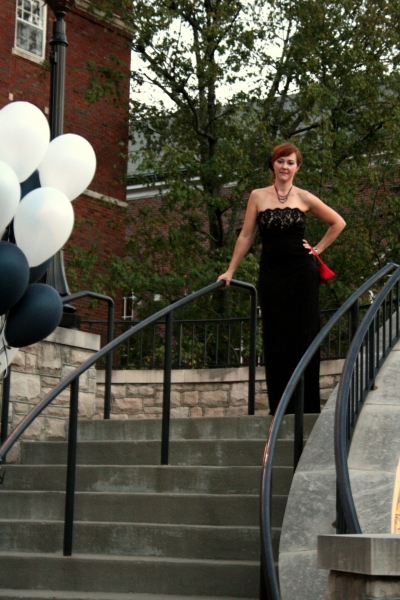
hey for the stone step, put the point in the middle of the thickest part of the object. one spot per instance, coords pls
(189, 509)
(183, 452)
(136, 539)
(247, 427)
(147, 479)
(62, 595)
(130, 575)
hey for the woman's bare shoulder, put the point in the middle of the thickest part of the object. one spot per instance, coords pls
(260, 193)
(307, 197)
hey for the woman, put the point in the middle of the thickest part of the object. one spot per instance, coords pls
(289, 282)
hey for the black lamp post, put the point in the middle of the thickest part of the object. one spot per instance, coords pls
(56, 273)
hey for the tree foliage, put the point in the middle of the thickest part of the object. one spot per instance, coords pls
(234, 78)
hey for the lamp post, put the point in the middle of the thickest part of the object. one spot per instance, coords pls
(56, 276)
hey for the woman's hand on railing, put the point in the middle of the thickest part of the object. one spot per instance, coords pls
(227, 276)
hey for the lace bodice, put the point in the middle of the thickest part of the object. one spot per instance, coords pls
(281, 218)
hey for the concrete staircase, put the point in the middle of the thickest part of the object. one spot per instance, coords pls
(143, 531)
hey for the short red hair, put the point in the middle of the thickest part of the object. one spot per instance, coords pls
(286, 150)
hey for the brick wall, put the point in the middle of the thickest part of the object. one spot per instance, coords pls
(104, 124)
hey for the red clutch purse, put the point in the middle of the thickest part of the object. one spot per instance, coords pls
(325, 273)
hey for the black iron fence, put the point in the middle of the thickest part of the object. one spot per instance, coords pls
(207, 343)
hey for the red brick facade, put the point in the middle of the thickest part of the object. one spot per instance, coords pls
(103, 123)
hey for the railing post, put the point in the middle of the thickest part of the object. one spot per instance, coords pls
(252, 353)
(108, 380)
(298, 420)
(263, 587)
(167, 389)
(71, 467)
(355, 318)
(371, 353)
(5, 407)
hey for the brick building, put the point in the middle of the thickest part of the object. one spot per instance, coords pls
(25, 32)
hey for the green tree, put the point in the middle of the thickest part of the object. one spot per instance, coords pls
(238, 78)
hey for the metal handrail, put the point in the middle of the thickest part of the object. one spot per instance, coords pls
(358, 377)
(108, 375)
(73, 380)
(269, 583)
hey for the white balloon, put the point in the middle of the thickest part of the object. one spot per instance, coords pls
(24, 137)
(10, 194)
(69, 165)
(42, 224)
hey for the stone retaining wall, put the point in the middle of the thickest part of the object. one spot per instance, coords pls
(37, 369)
(135, 394)
(195, 393)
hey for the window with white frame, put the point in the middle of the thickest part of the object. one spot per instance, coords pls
(30, 27)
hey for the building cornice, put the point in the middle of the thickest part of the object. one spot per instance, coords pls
(116, 21)
(158, 189)
(103, 198)
(138, 191)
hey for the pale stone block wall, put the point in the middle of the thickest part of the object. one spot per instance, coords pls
(195, 393)
(37, 369)
(363, 566)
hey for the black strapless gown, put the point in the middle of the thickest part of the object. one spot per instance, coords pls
(289, 300)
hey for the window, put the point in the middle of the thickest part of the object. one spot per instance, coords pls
(30, 29)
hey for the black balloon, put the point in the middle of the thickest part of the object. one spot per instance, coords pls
(14, 275)
(35, 273)
(34, 317)
(30, 184)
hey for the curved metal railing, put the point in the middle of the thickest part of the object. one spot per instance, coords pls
(107, 388)
(73, 380)
(371, 345)
(269, 582)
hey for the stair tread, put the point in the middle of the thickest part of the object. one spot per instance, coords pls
(138, 527)
(65, 595)
(156, 525)
(157, 442)
(144, 494)
(86, 557)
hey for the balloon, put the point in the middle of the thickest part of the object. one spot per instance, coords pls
(35, 273)
(69, 165)
(34, 317)
(14, 275)
(24, 137)
(30, 184)
(10, 194)
(42, 224)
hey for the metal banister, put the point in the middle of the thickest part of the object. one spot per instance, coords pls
(107, 391)
(269, 582)
(368, 366)
(73, 380)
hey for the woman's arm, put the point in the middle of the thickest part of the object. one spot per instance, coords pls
(244, 240)
(327, 215)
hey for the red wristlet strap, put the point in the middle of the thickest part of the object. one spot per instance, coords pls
(317, 255)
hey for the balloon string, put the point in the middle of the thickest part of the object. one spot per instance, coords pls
(4, 348)
(2, 324)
